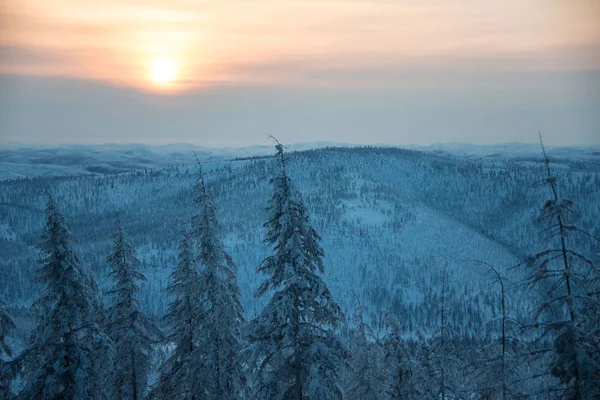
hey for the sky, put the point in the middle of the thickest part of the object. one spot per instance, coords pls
(225, 72)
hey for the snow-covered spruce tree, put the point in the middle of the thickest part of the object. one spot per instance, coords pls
(220, 339)
(182, 375)
(66, 348)
(6, 325)
(130, 329)
(296, 354)
(571, 283)
(366, 378)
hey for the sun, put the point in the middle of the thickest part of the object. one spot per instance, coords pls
(162, 71)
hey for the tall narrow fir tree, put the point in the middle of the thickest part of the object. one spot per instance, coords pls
(66, 348)
(220, 338)
(572, 284)
(182, 374)
(296, 353)
(131, 331)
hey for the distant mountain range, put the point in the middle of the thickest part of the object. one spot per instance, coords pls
(511, 150)
(18, 160)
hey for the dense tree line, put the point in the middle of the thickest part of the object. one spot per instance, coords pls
(343, 189)
(301, 344)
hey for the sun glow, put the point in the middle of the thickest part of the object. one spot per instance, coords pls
(162, 71)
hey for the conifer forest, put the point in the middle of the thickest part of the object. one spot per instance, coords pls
(355, 273)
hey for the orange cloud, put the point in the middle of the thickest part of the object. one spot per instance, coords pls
(289, 41)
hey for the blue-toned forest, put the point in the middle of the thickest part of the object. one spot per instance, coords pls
(334, 273)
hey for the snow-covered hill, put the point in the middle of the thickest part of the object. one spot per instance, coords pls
(21, 161)
(18, 161)
(392, 221)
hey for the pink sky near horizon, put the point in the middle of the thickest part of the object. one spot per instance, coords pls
(340, 43)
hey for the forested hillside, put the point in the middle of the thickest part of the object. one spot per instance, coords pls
(408, 238)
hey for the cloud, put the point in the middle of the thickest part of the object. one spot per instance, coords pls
(411, 71)
(293, 41)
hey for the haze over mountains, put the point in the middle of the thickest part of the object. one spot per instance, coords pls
(20, 160)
